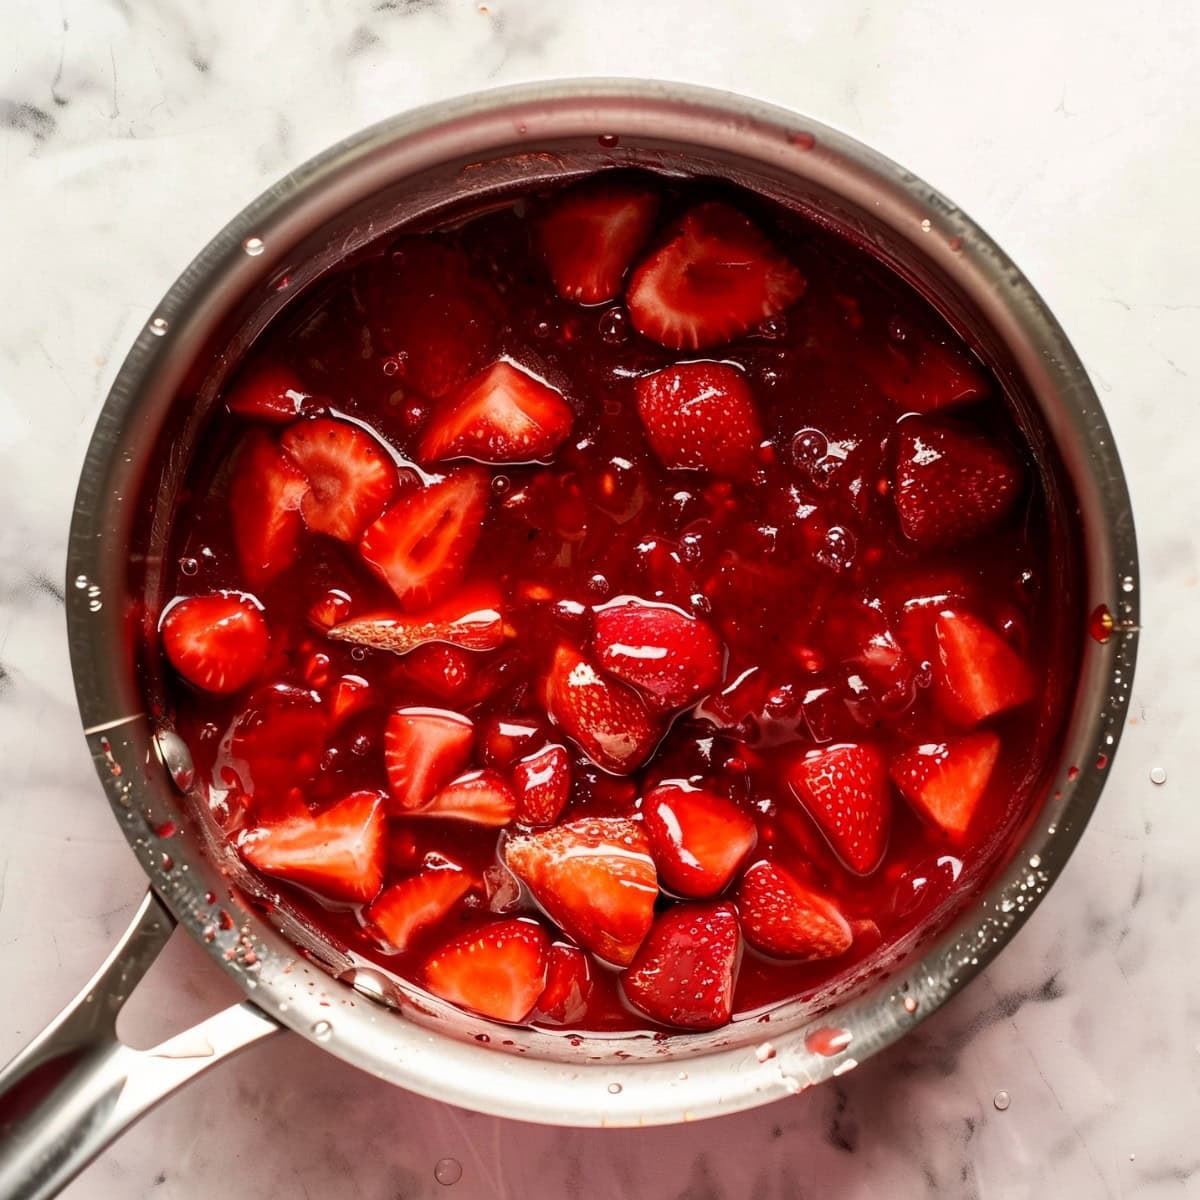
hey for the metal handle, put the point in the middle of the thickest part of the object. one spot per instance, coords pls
(76, 1087)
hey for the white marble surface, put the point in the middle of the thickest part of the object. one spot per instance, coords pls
(130, 132)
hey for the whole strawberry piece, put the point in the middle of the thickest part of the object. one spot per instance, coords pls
(920, 375)
(976, 673)
(218, 642)
(787, 918)
(945, 781)
(542, 782)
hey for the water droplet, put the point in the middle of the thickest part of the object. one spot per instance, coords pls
(1035, 861)
(158, 326)
(322, 1031)
(1158, 775)
(1100, 623)
(926, 225)
(827, 1041)
(447, 1171)
(253, 246)
(1127, 584)
(81, 581)
(608, 140)
(1101, 761)
(802, 139)
(765, 1052)
(168, 863)
(843, 1067)
(614, 1089)
(1072, 774)
(1001, 1100)
(910, 1004)
(683, 1075)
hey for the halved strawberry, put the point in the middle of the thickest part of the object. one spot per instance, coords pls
(505, 414)
(921, 375)
(668, 655)
(218, 642)
(347, 695)
(265, 494)
(498, 970)
(950, 486)
(405, 910)
(339, 854)
(711, 281)
(421, 545)
(424, 748)
(276, 741)
(542, 782)
(268, 392)
(590, 235)
(845, 790)
(698, 838)
(685, 972)
(944, 781)
(605, 717)
(564, 999)
(976, 673)
(479, 798)
(447, 671)
(701, 416)
(595, 878)
(787, 918)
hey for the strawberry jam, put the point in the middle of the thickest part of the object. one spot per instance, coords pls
(630, 608)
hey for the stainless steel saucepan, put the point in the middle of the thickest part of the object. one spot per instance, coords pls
(77, 1086)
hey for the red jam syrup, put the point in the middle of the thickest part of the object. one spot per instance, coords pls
(627, 609)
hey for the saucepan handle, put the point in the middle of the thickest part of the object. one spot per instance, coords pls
(77, 1087)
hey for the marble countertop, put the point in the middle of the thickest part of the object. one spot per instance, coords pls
(129, 133)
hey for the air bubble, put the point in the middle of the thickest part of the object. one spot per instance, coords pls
(188, 566)
(253, 246)
(614, 326)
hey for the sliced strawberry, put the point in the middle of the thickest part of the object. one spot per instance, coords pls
(479, 798)
(669, 656)
(976, 673)
(685, 971)
(542, 782)
(498, 971)
(218, 642)
(595, 878)
(568, 987)
(267, 392)
(950, 486)
(277, 740)
(504, 414)
(447, 671)
(845, 790)
(590, 235)
(330, 609)
(698, 838)
(424, 748)
(503, 739)
(944, 781)
(921, 375)
(787, 918)
(407, 909)
(711, 282)
(606, 718)
(701, 416)
(339, 854)
(265, 494)
(347, 695)
(421, 545)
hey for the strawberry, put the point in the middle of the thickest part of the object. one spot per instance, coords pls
(276, 741)
(445, 670)
(502, 739)
(351, 478)
(568, 987)
(590, 235)
(787, 918)
(670, 657)
(950, 486)
(542, 782)
(421, 545)
(701, 416)
(347, 695)
(685, 971)
(944, 781)
(606, 718)
(218, 642)
(976, 673)
(405, 910)
(921, 375)
(698, 838)
(424, 748)
(267, 392)
(339, 854)
(505, 414)
(265, 495)
(330, 609)
(845, 790)
(710, 282)
(479, 797)
(595, 878)
(498, 970)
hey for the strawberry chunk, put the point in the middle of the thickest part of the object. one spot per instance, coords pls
(421, 545)
(505, 414)
(594, 878)
(684, 973)
(787, 918)
(276, 741)
(606, 718)
(698, 838)
(351, 479)
(543, 783)
(950, 486)
(568, 986)
(498, 971)
(265, 495)
(218, 642)
(976, 674)
(921, 375)
(479, 798)
(406, 910)
(347, 695)
(471, 618)
(590, 235)
(340, 853)
(714, 279)
(845, 790)
(267, 392)
(669, 656)
(502, 740)
(945, 781)
(447, 671)
(701, 416)
(423, 749)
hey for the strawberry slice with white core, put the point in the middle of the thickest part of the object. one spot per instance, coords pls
(479, 798)
(595, 878)
(976, 674)
(267, 392)
(265, 495)
(782, 916)
(218, 642)
(590, 235)
(421, 545)
(424, 748)
(406, 910)
(568, 986)
(505, 414)
(712, 281)
(339, 853)
(945, 781)
(542, 782)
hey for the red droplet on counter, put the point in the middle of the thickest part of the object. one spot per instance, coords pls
(1100, 623)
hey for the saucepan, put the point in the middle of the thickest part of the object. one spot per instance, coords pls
(78, 1086)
